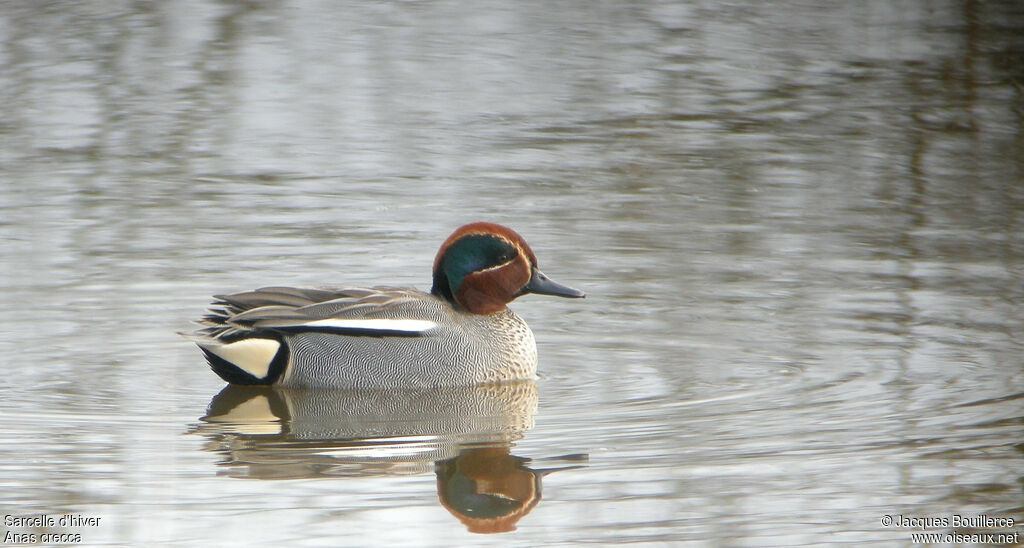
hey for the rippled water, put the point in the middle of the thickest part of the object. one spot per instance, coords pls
(798, 226)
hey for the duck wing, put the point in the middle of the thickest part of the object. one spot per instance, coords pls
(377, 311)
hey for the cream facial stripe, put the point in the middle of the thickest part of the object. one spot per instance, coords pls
(499, 266)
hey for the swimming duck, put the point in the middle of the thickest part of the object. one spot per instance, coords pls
(461, 333)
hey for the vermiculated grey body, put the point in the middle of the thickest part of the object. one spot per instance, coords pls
(464, 349)
(363, 338)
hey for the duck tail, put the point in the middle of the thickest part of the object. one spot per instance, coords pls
(253, 360)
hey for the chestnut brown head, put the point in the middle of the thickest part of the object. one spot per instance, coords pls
(482, 267)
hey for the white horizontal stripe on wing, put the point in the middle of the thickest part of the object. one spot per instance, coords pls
(378, 324)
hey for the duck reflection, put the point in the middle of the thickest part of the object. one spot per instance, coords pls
(487, 488)
(464, 434)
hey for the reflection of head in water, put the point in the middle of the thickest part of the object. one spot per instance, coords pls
(488, 489)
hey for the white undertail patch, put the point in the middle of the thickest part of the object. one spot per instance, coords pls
(250, 355)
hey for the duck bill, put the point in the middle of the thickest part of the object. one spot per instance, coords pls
(542, 285)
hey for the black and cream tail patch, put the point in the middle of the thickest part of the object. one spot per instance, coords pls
(254, 360)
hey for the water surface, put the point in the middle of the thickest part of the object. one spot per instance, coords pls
(798, 226)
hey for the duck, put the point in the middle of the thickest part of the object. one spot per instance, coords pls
(461, 333)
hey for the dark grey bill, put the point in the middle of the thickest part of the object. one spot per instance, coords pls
(542, 285)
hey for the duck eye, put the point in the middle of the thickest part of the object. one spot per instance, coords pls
(506, 257)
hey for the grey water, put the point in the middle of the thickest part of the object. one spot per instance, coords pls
(800, 227)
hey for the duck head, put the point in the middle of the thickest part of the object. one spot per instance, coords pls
(482, 267)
